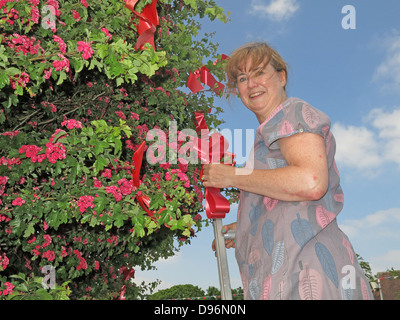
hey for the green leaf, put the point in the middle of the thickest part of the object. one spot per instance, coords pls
(62, 77)
(29, 230)
(4, 80)
(100, 163)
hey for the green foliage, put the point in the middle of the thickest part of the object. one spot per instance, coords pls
(76, 102)
(177, 292)
(31, 288)
(189, 291)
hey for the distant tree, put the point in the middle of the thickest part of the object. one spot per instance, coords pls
(213, 293)
(177, 292)
(237, 293)
(366, 268)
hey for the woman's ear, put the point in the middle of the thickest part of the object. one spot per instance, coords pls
(282, 76)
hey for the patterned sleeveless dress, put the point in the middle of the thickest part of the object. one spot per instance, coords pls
(295, 250)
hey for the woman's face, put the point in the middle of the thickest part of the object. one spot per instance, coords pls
(261, 89)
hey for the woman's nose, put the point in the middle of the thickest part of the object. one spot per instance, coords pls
(252, 82)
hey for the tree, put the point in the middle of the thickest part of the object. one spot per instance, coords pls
(77, 100)
(182, 291)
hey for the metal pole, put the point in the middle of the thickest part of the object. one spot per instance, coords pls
(223, 271)
(380, 288)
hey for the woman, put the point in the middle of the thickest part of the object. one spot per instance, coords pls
(288, 244)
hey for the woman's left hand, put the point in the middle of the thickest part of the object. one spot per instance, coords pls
(218, 175)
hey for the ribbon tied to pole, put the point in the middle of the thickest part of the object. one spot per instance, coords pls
(212, 148)
(148, 22)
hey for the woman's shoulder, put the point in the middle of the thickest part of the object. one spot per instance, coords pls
(294, 115)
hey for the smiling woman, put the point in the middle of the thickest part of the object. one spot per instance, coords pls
(288, 244)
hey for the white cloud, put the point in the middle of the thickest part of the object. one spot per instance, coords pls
(388, 72)
(376, 238)
(386, 261)
(356, 147)
(369, 148)
(276, 10)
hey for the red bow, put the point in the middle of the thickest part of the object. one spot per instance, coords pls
(148, 21)
(217, 206)
(205, 77)
(127, 275)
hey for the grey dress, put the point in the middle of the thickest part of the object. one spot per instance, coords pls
(295, 250)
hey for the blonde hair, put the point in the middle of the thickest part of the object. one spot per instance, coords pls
(259, 53)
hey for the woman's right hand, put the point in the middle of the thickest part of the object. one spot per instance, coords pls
(228, 243)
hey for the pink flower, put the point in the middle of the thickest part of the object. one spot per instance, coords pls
(55, 152)
(134, 116)
(49, 255)
(75, 15)
(106, 173)
(97, 183)
(61, 43)
(31, 152)
(126, 186)
(3, 180)
(105, 30)
(9, 288)
(61, 64)
(84, 3)
(4, 261)
(120, 114)
(115, 191)
(47, 73)
(86, 49)
(85, 202)
(47, 239)
(82, 264)
(33, 239)
(18, 202)
(72, 123)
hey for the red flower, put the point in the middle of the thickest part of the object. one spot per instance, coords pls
(49, 255)
(115, 191)
(18, 202)
(61, 43)
(75, 15)
(47, 239)
(4, 261)
(55, 152)
(85, 202)
(72, 123)
(9, 289)
(61, 64)
(86, 49)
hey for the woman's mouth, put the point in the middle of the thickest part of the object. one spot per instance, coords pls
(255, 95)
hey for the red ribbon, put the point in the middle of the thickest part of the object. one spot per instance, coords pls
(143, 200)
(148, 21)
(128, 273)
(217, 206)
(205, 77)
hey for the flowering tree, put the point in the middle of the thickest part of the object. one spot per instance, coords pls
(79, 94)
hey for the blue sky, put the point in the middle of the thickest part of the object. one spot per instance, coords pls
(353, 75)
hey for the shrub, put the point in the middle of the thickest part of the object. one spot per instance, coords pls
(77, 100)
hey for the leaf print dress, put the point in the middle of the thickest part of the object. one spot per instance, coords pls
(295, 250)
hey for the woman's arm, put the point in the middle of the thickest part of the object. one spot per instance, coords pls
(304, 179)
